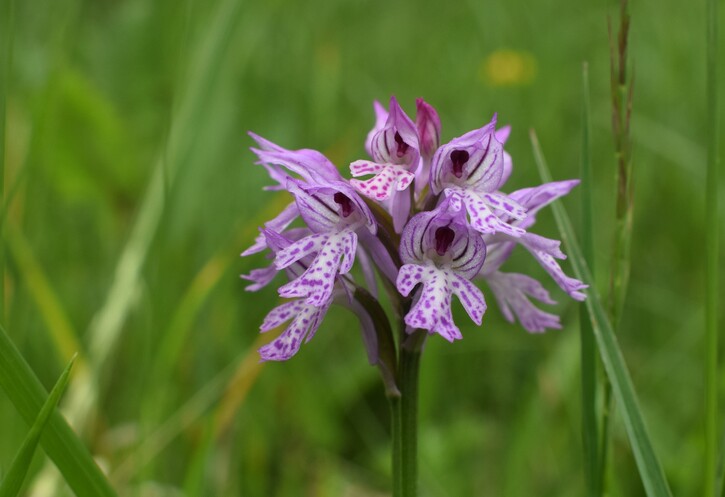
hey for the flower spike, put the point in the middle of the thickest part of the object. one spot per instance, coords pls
(451, 224)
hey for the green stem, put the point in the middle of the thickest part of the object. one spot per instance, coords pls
(588, 350)
(405, 418)
(711, 250)
(6, 51)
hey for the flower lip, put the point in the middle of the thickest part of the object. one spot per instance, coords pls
(402, 146)
(444, 237)
(344, 202)
(458, 160)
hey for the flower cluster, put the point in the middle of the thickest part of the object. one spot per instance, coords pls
(431, 219)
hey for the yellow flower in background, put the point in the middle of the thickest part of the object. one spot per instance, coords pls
(506, 67)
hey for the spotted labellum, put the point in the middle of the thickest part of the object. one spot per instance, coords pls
(427, 221)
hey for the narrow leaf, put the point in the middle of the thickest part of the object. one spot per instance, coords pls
(59, 441)
(650, 470)
(712, 254)
(13, 482)
(588, 353)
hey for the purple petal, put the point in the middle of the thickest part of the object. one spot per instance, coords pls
(474, 160)
(260, 277)
(400, 209)
(335, 255)
(429, 127)
(569, 285)
(470, 296)
(505, 205)
(397, 141)
(379, 254)
(503, 133)
(512, 291)
(306, 319)
(278, 224)
(432, 310)
(388, 179)
(533, 199)
(409, 276)
(318, 211)
(381, 116)
(308, 164)
(482, 217)
(308, 245)
(412, 246)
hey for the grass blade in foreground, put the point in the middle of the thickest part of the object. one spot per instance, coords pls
(13, 482)
(60, 442)
(712, 274)
(650, 470)
(590, 430)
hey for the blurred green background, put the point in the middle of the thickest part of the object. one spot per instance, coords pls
(131, 192)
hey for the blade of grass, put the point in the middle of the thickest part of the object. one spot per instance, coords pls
(588, 353)
(712, 274)
(6, 52)
(621, 95)
(61, 444)
(13, 482)
(650, 470)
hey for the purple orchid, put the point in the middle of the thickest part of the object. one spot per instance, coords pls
(334, 213)
(470, 169)
(441, 252)
(394, 149)
(455, 225)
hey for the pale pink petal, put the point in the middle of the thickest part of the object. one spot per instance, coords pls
(482, 217)
(335, 256)
(306, 319)
(389, 178)
(511, 290)
(470, 297)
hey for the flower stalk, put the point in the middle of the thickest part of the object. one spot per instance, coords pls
(405, 418)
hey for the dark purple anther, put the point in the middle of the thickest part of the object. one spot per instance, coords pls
(444, 238)
(458, 158)
(402, 146)
(344, 201)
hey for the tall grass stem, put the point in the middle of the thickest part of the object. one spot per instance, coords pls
(588, 353)
(711, 259)
(7, 16)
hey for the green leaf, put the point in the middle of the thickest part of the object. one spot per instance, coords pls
(712, 255)
(59, 441)
(13, 482)
(650, 470)
(590, 429)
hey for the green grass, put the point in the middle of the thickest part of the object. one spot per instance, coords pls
(12, 482)
(131, 191)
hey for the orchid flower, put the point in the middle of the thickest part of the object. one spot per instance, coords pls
(442, 253)
(394, 149)
(470, 169)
